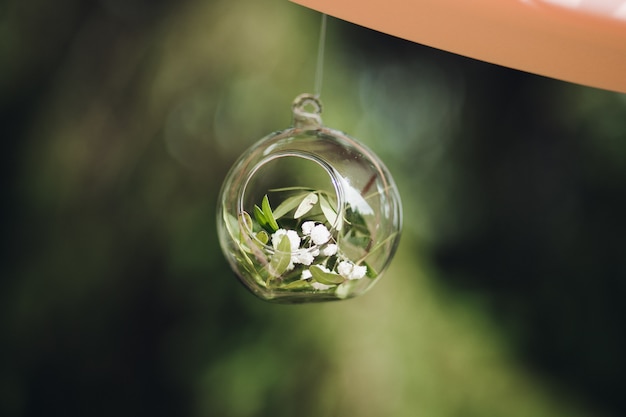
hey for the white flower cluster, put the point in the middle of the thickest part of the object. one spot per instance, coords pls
(298, 256)
(316, 238)
(318, 234)
(349, 270)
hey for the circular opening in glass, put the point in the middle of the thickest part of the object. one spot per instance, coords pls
(292, 188)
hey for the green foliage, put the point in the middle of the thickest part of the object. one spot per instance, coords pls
(329, 211)
(306, 205)
(305, 201)
(281, 258)
(286, 269)
(269, 216)
(263, 237)
(265, 217)
(324, 277)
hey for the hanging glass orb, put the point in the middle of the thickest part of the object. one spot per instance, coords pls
(308, 213)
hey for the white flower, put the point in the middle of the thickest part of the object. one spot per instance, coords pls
(329, 250)
(307, 227)
(320, 234)
(306, 274)
(303, 257)
(358, 272)
(344, 268)
(319, 286)
(350, 271)
(294, 239)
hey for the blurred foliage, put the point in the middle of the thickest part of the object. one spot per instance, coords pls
(120, 120)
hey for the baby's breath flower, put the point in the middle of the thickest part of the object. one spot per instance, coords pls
(320, 234)
(350, 271)
(294, 239)
(358, 272)
(306, 274)
(303, 257)
(344, 268)
(319, 286)
(307, 227)
(329, 250)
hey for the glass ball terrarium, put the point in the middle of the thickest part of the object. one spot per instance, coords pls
(308, 213)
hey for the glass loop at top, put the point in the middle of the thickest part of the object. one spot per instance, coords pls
(307, 110)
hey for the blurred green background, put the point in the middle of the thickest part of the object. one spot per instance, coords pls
(121, 118)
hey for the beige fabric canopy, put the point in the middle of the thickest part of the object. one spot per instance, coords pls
(580, 41)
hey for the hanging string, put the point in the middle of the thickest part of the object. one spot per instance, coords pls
(319, 70)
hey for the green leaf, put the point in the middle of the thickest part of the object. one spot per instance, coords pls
(248, 264)
(281, 258)
(232, 225)
(328, 278)
(357, 223)
(260, 217)
(269, 216)
(357, 239)
(370, 271)
(297, 285)
(296, 188)
(247, 220)
(263, 237)
(328, 210)
(288, 205)
(306, 205)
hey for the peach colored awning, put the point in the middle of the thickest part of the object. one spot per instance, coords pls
(580, 41)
